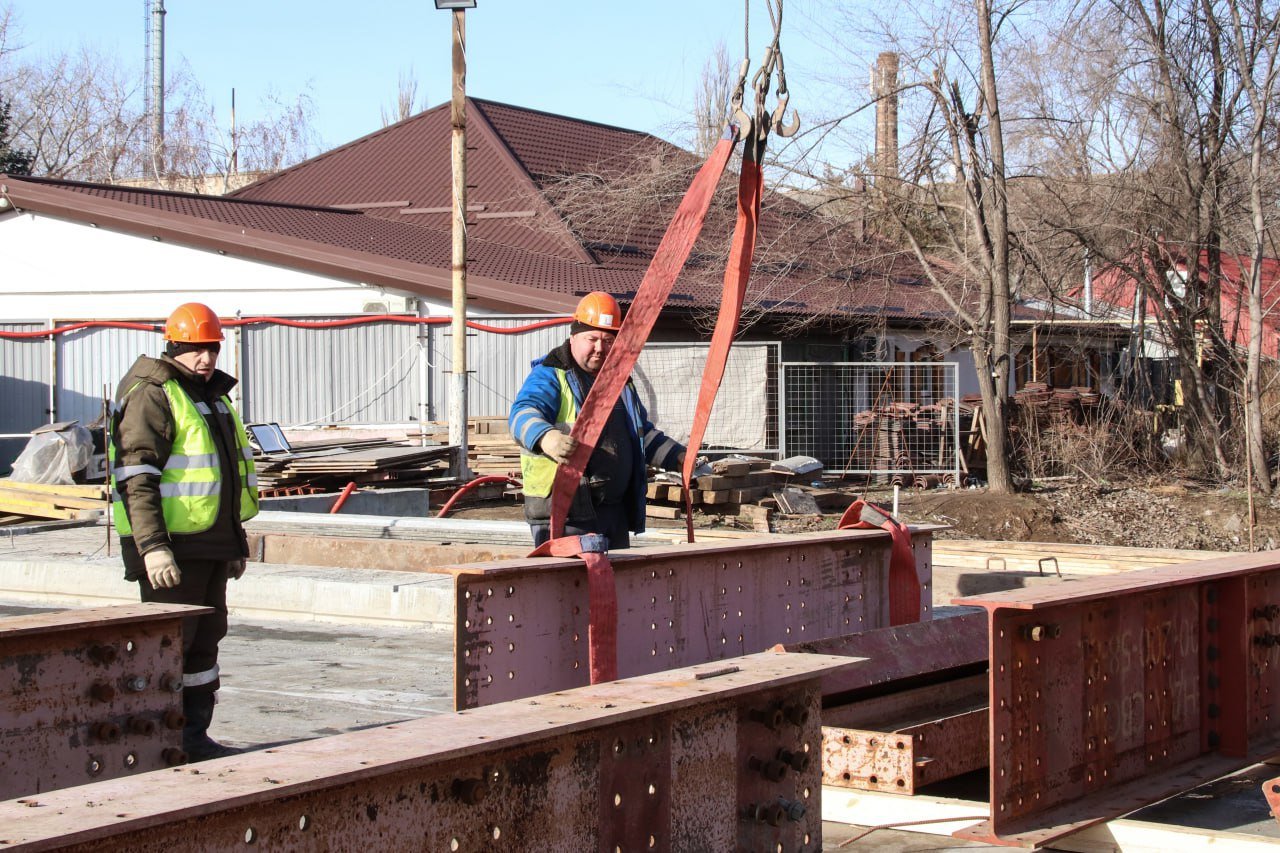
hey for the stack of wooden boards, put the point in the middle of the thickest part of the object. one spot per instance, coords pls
(20, 502)
(329, 465)
(490, 448)
(739, 482)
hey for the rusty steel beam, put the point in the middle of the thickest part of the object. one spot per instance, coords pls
(906, 757)
(87, 695)
(521, 627)
(898, 657)
(1111, 693)
(1271, 790)
(713, 757)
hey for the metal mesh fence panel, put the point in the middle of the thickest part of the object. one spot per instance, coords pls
(891, 421)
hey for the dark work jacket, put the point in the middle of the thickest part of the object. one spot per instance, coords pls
(143, 432)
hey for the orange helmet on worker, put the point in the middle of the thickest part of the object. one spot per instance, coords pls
(193, 323)
(599, 310)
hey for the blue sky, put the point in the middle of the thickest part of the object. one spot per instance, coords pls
(633, 64)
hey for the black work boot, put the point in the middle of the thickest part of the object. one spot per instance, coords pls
(198, 707)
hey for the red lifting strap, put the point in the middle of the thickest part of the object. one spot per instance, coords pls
(602, 600)
(736, 275)
(904, 582)
(667, 262)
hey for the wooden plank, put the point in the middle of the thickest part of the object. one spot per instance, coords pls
(660, 511)
(39, 509)
(66, 502)
(77, 491)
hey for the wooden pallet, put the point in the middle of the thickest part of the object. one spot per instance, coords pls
(51, 501)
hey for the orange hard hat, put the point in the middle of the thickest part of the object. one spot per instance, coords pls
(600, 311)
(193, 323)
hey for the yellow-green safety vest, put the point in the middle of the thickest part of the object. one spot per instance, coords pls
(538, 471)
(191, 482)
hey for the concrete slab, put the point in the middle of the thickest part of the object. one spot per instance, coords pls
(72, 568)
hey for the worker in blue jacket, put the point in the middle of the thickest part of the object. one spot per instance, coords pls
(611, 497)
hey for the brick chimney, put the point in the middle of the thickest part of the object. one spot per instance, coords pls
(884, 88)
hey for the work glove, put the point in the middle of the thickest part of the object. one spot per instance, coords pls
(558, 445)
(235, 569)
(162, 570)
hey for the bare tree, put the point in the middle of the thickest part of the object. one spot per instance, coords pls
(1255, 47)
(407, 103)
(711, 100)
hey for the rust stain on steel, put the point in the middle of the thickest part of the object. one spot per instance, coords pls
(521, 626)
(351, 552)
(84, 695)
(936, 647)
(907, 758)
(1121, 691)
(555, 773)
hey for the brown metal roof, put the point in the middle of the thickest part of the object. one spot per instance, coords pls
(377, 210)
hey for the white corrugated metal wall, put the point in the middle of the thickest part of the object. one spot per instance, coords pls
(24, 388)
(355, 375)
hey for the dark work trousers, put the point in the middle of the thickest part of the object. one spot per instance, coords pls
(610, 521)
(204, 583)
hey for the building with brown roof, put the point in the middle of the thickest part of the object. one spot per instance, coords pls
(557, 207)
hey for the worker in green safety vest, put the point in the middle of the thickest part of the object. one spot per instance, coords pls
(182, 484)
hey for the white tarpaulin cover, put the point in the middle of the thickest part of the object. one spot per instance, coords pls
(668, 379)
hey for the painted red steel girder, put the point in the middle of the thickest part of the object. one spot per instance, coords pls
(1271, 790)
(87, 695)
(722, 756)
(1111, 693)
(521, 626)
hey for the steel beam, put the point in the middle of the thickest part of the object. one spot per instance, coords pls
(913, 712)
(1111, 693)
(1271, 790)
(713, 757)
(522, 625)
(87, 695)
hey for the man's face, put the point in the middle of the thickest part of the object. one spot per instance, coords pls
(200, 362)
(590, 348)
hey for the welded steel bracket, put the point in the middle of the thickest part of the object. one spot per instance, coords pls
(1115, 692)
(712, 757)
(87, 695)
(522, 624)
(1271, 790)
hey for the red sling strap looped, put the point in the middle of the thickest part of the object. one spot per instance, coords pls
(736, 274)
(904, 581)
(667, 262)
(602, 599)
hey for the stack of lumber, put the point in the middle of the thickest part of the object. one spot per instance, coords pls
(733, 483)
(34, 500)
(1052, 558)
(324, 466)
(490, 447)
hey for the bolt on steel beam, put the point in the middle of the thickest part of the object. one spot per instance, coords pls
(521, 626)
(1112, 693)
(711, 757)
(87, 695)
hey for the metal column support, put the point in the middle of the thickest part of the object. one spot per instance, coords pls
(87, 695)
(522, 625)
(1112, 693)
(714, 757)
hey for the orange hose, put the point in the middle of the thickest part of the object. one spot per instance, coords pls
(478, 481)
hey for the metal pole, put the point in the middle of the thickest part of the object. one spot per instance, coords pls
(458, 120)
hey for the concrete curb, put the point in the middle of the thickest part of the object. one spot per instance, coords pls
(294, 593)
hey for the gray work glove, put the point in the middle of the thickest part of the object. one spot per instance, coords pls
(162, 570)
(235, 569)
(558, 445)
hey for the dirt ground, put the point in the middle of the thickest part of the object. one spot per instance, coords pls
(1139, 514)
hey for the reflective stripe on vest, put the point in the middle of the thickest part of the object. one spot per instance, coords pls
(191, 482)
(538, 471)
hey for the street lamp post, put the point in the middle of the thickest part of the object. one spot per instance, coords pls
(458, 122)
